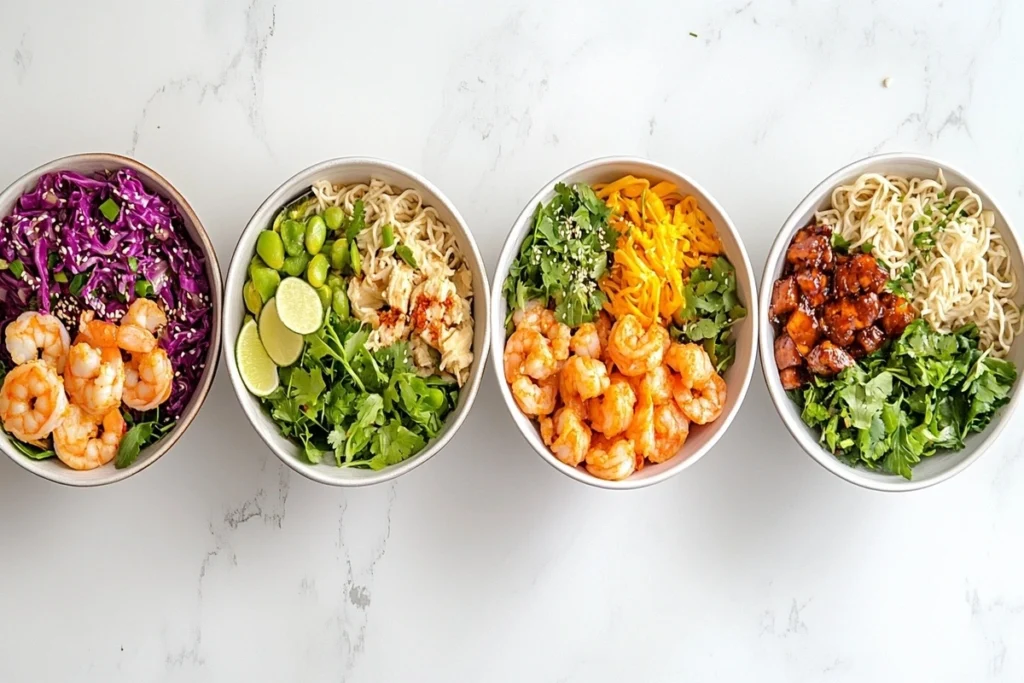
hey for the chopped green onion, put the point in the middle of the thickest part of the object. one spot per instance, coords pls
(61, 277)
(17, 267)
(110, 210)
(133, 263)
(77, 282)
(388, 236)
(51, 261)
(405, 253)
(143, 288)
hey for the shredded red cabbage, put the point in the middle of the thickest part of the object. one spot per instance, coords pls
(62, 255)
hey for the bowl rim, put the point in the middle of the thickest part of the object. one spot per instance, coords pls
(803, 434)
(202, 390)
(250, 405)
(517, 232)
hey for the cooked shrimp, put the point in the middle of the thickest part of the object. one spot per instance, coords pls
(611, 460)
(586, 342)
(96, 333)
(572, 437)
(527, 352)
(670, 431)
(612, 412)
(701, 405)
(604, 328)
(641, 428)
(535, 316)
(692, 363)
(635, 350)
(547, 429)
(657, 385)
(32, 333)
(147, 314)
(78, 443)
(148, 380)
(582, 378)
(94, 378)
(535, 397)
(135, 339)
(32, 400)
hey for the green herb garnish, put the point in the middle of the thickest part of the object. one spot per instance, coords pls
(923, 392)
(563, 256)
(405, 253)
(711, 307)
(77, 282)
(17, 267)
(133, 263)
(143, 289)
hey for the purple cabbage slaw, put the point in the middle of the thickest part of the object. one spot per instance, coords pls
(72, 258)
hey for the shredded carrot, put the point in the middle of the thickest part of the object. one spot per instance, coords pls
(662, 236)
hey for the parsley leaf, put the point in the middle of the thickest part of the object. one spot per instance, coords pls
(710, 308)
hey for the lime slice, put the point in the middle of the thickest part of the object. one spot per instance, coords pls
(298, 306)
(257, 369)
(283, 346)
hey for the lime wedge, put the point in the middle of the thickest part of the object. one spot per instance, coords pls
(298, 306)
(257, 369)
(283, 346)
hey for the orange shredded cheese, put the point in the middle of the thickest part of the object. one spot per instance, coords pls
(662, 236)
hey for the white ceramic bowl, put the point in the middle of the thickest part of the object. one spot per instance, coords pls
(939, 467)
(348, 170)
(737, 378)
(87, 164)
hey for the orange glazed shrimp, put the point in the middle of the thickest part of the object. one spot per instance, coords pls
(528, 353)
(701, 405)
(670, 431)
(635, 350)
(148, 380)
(78, 442)
(94, 378)
(33, 335)
(535, 316)
(535, 397)
(582, 378)
(612, 412)
(610, 459)
(572, 437)
(692, 363)
(32, 400)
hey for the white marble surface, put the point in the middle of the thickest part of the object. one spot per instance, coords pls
(219, 564)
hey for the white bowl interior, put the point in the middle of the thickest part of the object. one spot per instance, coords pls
(88, 164)
(348, 171)
(940, 466)
(737, 378)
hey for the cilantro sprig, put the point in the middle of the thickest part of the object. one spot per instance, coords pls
(711, 307)
(364, 408)
(923, 392)
(564, 255)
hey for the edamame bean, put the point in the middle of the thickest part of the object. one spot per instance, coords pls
(316, 272)
(339, 254)
(339, 303)
(316, 233)
(334, 281)
(293, 235)
(296, 265)
(333, 217)
(253, 300)
(325, 294)
(265, 280)
(271, 249)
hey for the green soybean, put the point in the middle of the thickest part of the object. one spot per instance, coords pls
(296, 265)
(265, 280)
(278, 220)
(339, 254)
(339, 303)
(293, 235)
(253, 300)
(316, 272)
(354, 259)
(334, 281)
(316, 234)
(387, 235)
(333, 216)
(270, 248)
(325, 294)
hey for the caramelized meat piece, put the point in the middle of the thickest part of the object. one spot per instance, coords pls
(859, 273)
(786, 355)
(811, 253)
(828, 359)
(792, 378)
(897, 313)
(803, 329)
(844, 318)
(784, 298)
(871, 339)
(813, 285)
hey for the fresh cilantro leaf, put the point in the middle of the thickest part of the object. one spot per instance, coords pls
(132, 443)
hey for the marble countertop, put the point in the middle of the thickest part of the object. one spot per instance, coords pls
(218, 563)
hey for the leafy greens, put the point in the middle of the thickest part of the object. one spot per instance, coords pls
(923, 392)
(364, 408)
(563, 256)
(711, 307)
